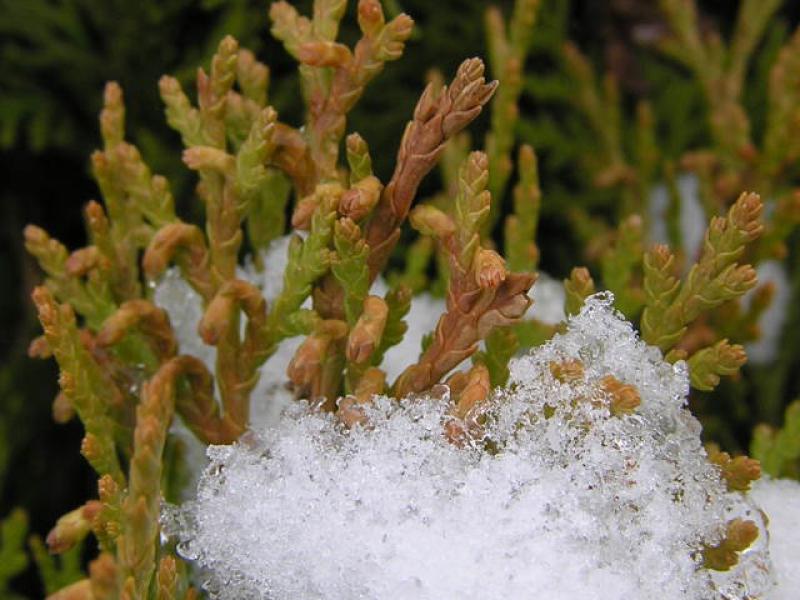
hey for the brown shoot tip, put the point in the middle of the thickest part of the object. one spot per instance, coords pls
(368, 330)
(745, 214)
(568, 370)
(34, 235)
(112, 94)
(490, 269)
(624, 398)
(39, 348)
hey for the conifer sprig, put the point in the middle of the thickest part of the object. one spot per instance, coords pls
(508, 49)
(577, 287)
(706, 366)
(481, 295)
(716, 278)
(520, 227)
(437, 117)
(778, 449)
(88, 386)
(125, 376)
(142, 504)
(334, 76)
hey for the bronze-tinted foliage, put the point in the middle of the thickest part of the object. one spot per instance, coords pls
(123, 372)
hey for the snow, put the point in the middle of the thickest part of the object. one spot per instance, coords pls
(185, 309)
(780, 499)
(692, 219)
(549, 298)
(771, 324)
(559, 500)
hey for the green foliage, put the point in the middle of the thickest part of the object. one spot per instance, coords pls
(521, 251)
(715, 278)
(349, 266)
(13, 559)
(398, 299)
(708, 364)
(597, 168)
(779, 449)
(59, 571)
(55, 52)
(418, 257)
(501, 346)
(621, 266)
(266, 218)
(309, 259)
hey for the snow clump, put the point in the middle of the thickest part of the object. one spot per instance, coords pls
(560, 499)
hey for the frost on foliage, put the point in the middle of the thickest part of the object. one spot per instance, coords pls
(561, 500)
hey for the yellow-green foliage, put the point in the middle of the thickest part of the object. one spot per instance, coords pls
(779, 449)
(124, 373)
(56, 572)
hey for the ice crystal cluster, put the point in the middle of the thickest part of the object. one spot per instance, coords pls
(559, 496)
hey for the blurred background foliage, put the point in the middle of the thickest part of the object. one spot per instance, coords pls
(56, 55)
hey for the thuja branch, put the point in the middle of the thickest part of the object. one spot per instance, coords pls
(437, 117)
(333, 75)
(142, 504)
(88, 387)
(237, 359)
(481, 295)
(123, 371)
(507, 53)
(716, 278)
(720, 70)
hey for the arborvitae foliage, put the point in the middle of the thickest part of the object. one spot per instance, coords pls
(779, 449)
(53, 52)
(125, 375)
(691, 81)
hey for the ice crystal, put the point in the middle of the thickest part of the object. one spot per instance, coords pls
(560, 499)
